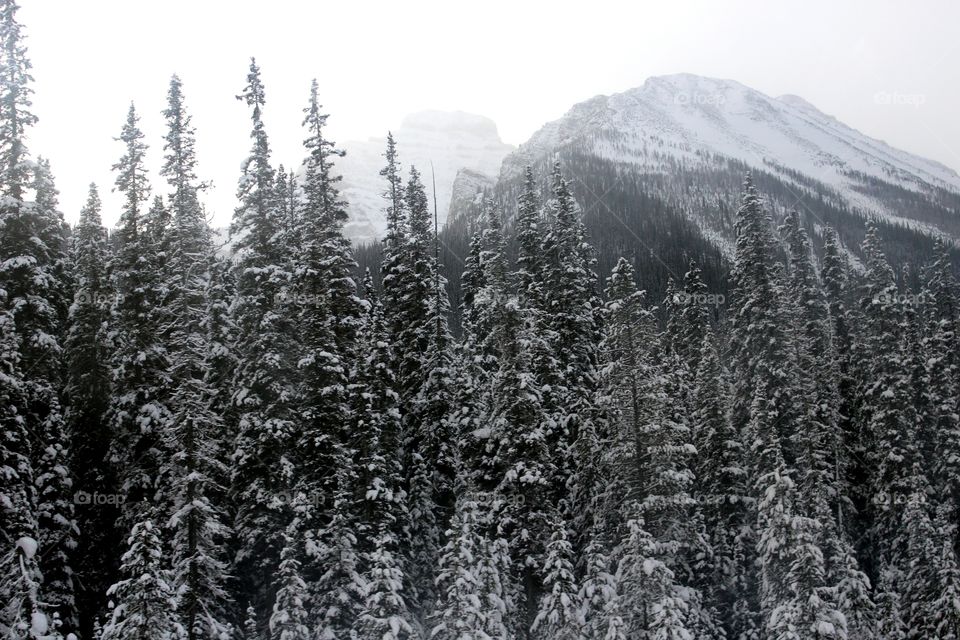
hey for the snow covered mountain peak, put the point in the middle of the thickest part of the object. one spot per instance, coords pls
(690, 119)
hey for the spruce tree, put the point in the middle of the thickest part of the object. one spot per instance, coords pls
(327, 322)
(599, 599)
(629, 327)
(15, 103)
(32, 278)
(529, 232)
(431, 442)
(384, 615)
(572, 311)
(393, 269)
(946, 607)
(650, 600)
(833, 275)
(87, 398)
(139, 411)
(326, 253)
(886, 417)
(460, 610)
(520, 462)
(559, 611)
(266, 382)
(289, 618)
(193, 468)
(941, 299)
(143, 600)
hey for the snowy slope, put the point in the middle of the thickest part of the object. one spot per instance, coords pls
(450, 140)
(688, 118)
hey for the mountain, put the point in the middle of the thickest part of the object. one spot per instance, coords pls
(657, 171)
(451, 141)
(689, 121)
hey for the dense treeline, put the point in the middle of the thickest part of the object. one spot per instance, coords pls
(265, 446)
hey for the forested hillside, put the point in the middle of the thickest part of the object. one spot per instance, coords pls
(579, 446)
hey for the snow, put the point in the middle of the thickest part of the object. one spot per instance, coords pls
(38, 624)
(28, 546)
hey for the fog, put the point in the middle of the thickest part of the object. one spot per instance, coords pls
(877, 66)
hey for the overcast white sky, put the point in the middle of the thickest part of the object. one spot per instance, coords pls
(520, 63)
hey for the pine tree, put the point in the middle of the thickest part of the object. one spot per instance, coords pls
(942, 307)
(763, 401)
(337, 593)
(471, 282)
(460, 610)
(885, 417)
(493, 571)
(384, 615)
(890, 610)
(327, 321)
(221, 337)
(57, 526)
(720, 486)
(32, 278)
(491, 287)
(520, 461)
(54, 233)
(759, 343)
(393, 269)
(139, 411)
(854, 596)
(377, 413)
(195, 472)
(572, 310)
(326, 254)
(821, 462)
(921, 563)
(15, 103)
(833, 275)
(17, 491)
(265, 383)
(946, 607)
(529, 231)
(251, 628)
(650, 600)
(691, 321)
(52, 473)
(289, 619)
(87, 398)
(369, 495)
(143, 601)
(558, 615)
(629, 328)
(414, 289)
(599, 600)
(431, 441)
